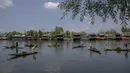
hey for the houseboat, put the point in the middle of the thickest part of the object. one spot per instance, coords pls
(126, 36)
(110, 36)
(60, 37)
(45, 37)
(101, 37)
(92, 37)
(2, 37)
(76, 37)
(18, 37)
(118, 37)
(29, 37)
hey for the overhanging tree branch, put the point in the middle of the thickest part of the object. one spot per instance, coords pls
(118, 10)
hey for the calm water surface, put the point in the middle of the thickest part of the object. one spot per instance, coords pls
(64, 59)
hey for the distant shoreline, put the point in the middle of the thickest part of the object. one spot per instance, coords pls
(62, 39)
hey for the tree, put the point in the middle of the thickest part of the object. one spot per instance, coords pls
(82, 33)
(102, 32)
(61, 29)
(125, 29)
(67, 33)
(40, 33)
(111, 31)
(11, 34)
(57, 30)
(36, 35)
(31, 33)
(118, 10)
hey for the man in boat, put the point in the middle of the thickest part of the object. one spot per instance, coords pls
(81, 43)
(90, 46)
(33, 48)
(126, 45)
(16, 44)
(106, 46)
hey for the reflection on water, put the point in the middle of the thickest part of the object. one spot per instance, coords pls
(64, 59)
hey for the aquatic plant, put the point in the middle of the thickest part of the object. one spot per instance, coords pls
(118, 49)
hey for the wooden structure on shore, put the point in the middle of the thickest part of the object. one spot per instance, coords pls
(18, 37)
(45, 37)
(126, 36)
(76, 37)
(92, 37)
(101, 37)
(110, 36)
(60, 37)
(118, 37)
(3, 37)
(29, 38)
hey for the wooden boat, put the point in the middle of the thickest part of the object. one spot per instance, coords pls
(24, 53)
(95, 50)
(12, 47)
(9, 46)
(79, 46)
(117, 49)
(30, 45)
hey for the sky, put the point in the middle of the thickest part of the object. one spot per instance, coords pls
(22, 15)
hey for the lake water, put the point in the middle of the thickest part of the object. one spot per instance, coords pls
(64, 59)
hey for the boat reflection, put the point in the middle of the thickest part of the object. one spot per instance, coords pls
(126, 55)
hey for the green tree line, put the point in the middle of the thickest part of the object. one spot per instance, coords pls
(39, 33)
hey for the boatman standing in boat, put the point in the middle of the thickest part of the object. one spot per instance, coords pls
(90, 46)
(106, 46)
(33, 48)
(126, 45)
(16, 44)
(82, 43)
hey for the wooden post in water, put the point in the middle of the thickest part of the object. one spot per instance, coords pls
(50, 38)
(16, 47)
